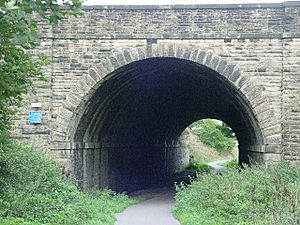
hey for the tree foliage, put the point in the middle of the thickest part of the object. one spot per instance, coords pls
(18, 35)
(216, 135)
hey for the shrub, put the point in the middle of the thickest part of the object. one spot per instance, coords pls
(33, 192)
(256, 195)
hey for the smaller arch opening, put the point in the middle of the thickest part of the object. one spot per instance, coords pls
(209, 140)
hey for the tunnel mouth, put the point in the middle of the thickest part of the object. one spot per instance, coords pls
(209, 140)
(136, 116)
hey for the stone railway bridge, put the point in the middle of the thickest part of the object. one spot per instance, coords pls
(127, 80)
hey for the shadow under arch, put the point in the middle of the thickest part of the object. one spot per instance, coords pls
(134, 118)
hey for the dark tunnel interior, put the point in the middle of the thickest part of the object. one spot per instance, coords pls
(138, 113)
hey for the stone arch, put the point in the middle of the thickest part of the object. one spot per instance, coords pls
(99, 73)
(72, 111)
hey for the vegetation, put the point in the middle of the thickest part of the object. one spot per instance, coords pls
(254, 195)
(232, 164)
(196, 167)
(31, 188)
(33, 192)
(199, 167)
(18, 35)
(215, 135)
(197, 150)
(201, 153)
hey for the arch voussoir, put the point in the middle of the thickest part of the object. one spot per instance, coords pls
(200, 57)
(58, 137)
(100, 70)
(194, 53)
(234, 76)
(108, 65)
(127, 56)
(187, 53)
(207, 59)
(113, 61)
(78, 91)
(221, 66)
(121, 59)
(94, 74)
(247, 87)
(214, 62)
(141, 53)
(229, 69)
(170, 50)
(179, 50)
(241, 81)
(164, 50)
(89, 81)
(134, 54)
(70, 105)
(61, 128)
(65, 113)
(84, 87)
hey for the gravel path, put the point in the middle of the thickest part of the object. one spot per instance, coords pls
(218, 168)
(155, 210)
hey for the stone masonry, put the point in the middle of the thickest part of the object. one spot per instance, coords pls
(255, 48)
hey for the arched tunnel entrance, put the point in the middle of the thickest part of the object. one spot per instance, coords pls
(138, 113)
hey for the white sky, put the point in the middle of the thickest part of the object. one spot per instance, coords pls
(175, 2)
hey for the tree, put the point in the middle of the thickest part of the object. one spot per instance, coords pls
(216, 135)
(18, 34)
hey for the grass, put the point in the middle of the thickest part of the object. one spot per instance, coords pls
(33, 192)
(195, 168)
(256, 195)
(199, 167)
(232, 164)
(201, 152)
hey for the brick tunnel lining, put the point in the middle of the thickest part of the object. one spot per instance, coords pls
(139, 111)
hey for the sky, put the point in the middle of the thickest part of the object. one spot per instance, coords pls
(174, 2)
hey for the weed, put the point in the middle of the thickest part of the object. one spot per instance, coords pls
(254, 195)
(33, 192)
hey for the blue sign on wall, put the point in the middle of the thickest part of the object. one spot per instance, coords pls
(35, 117)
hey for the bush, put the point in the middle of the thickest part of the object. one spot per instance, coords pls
(256, 195)
(217, 136)
(33, 192)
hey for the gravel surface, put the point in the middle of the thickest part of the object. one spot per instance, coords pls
(156, 209)
(156, 206)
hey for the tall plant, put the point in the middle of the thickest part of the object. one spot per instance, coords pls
(18, 35)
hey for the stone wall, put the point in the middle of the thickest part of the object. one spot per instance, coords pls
(262, 40)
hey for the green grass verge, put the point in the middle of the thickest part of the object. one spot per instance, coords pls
(255, 195)
(232, 164)
(197, 167)
(33, 192)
